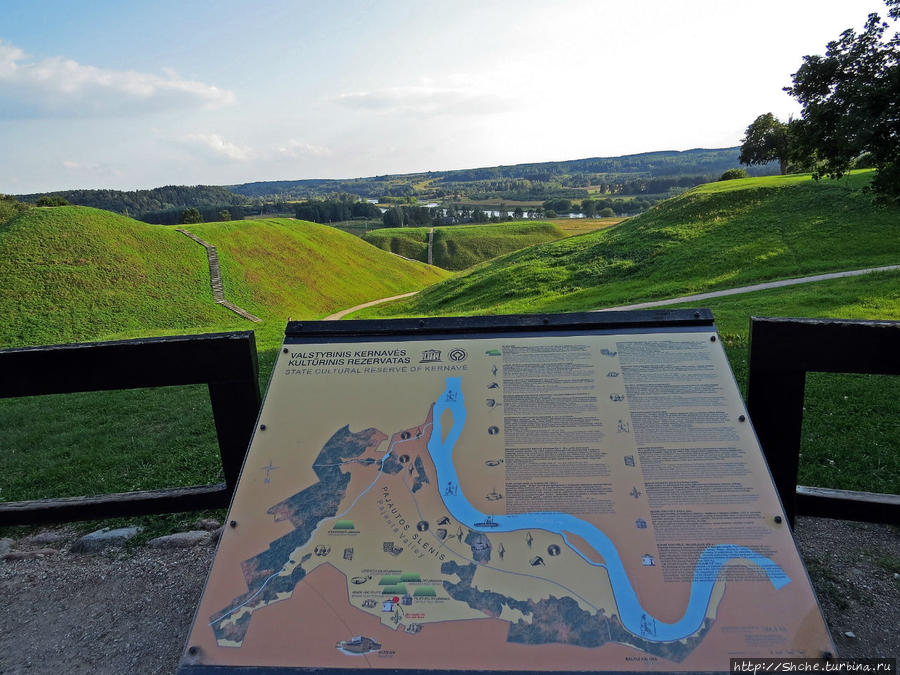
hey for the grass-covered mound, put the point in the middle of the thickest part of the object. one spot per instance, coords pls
(276, 268)
(460, 246)
(719, 235)
(74, 273)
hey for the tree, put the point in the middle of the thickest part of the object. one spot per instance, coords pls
(767, 139)
(189, 216)
(225, 214)
(851, 103)
(606, 213)
(52, 200)
(732, 174)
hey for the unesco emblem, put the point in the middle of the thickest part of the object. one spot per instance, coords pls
(457, 354)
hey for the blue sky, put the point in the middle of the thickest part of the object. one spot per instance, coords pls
(140, 94)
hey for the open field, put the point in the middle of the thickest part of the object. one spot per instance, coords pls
(457, 247)
(574, 226)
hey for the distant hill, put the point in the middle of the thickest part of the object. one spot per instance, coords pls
(461, 246)
(160, 205)
(629, 184)
(626, 174)
(719, 235)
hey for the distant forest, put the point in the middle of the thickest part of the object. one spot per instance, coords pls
(627, 184)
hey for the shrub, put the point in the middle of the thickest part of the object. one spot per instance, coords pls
(732, 174)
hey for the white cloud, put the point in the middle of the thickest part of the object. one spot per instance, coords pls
(427, 99)
(295, 149)
(216, 146)
(62, 87)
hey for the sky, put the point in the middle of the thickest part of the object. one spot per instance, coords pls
(139, 94)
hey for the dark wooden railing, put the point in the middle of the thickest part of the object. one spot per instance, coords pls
(782, 351)
(225, 362)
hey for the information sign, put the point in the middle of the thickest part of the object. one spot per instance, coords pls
(547, 500)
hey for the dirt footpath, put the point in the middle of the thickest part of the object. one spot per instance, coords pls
(121, 612)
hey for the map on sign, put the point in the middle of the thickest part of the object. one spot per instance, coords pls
(591, 502)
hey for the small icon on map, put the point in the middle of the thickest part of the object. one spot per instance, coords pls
(612, 373)
(451, 395)
(629, 460)
(459, 534)
(537, 561)
(494, 371)
(268, 469)
(493, 430)
(348, 553)
(635, 492)
(607, 352)
(406, 600)
(493, 495)
(647, 560)
(431, 356)
(322, 550)
(404, 459)
(501, 551)
(414, 628)
(623, 427)
(528, 539)
(640, 524)
(444, 520)
(422, 526)
(493, 385)
(493, 352)
(648, 625)
(360, 580)
(405, 435)
(441, 533)
(491, 402)
(390, 547)
(369, 603)
(358, 645)
(554, 550)
(457, 354)
(451, 489)
(617, 397)
(493, 462)
(387, 606)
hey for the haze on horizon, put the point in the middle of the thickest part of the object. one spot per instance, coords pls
(138, 95)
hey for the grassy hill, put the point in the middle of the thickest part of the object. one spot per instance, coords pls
(74, 273)
(278, 268)
(718, 235)
(461, 246)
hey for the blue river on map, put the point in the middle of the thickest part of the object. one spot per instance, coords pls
(634, 617)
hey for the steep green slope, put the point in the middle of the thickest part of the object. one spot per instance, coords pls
(461, 246)
(277, 268)
(74, 273)
(718, 235)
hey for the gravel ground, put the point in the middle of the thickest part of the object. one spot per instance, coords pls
(130, 611)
